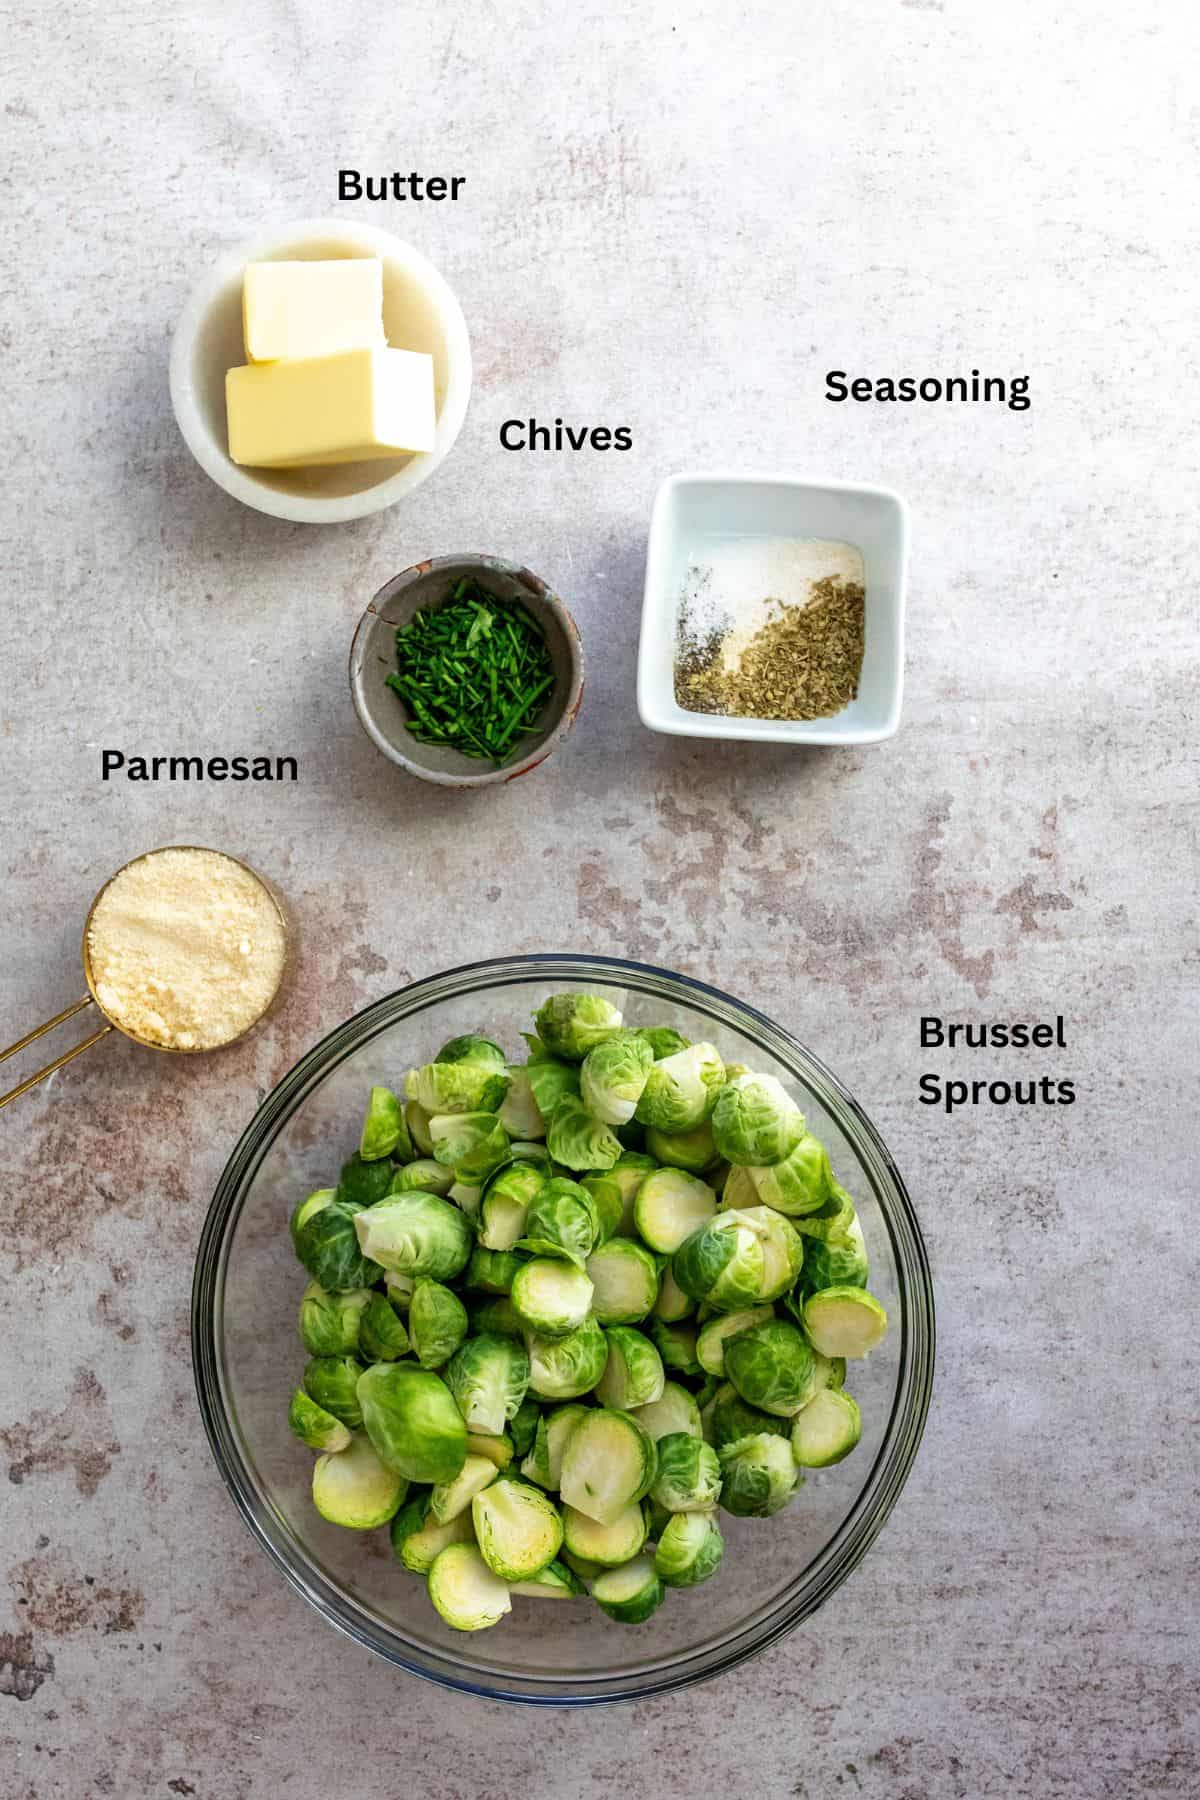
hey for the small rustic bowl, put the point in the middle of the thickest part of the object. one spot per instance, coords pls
(383, 714)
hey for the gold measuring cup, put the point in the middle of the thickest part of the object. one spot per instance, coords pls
(91, 998)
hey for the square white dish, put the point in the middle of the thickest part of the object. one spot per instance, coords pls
(695, 511)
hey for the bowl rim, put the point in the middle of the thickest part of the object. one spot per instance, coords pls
(881, 1486)
(568, 711)
(672, 721)
(241, 483)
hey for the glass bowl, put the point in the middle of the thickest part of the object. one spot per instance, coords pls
(248, 1358)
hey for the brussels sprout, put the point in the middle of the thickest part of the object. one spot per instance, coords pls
(383, 1125)
(580, 1566)
(415, 1234)
(517, 1527)
(554, 1582)
(801, 1183)
(694, 1150)
(413, 1422)
(544, 1462)
(424, 1174)
(470, 1074)
(506, 1202)
(633, 1374)
(465, 1591)
(758, 1475)
(676, 1344)
(628, 1172)
(329, 1323)
(417, 1119)
(499, 1450)
(332, 1381)
(363, 1183)
(449, 1498)
(472, 1144)
(689, 1474)
(468, 1198)
(663, 1040)
(314, 1426)
(672, 1303)
(382, 1337)
(772, 1366)
(826, 1430)
(305, 1210)
(564, 1368)
(399, 1289)
(437, 1323)
(738, 1190)
(569, 1025)
(674, 1410)
(561, 1222)
(839, 1261)
(721, 1262)
(327, 1244)
(418, 1540)
(524, 1422)
(710, 1345)
(756, 1121)
(631, 1593)
(843, 1321)
(670, 1205)
(613, 1076)
(551, 1297)
(689, 1550)
(609, 1462)
(605, 1545)
(488, 1377)
(783, 1250)
(551, 1081)
(625, 1282)
(497, 1315)
(609, 1202)
(520, 1115)
(682, 1089)
(493, 1271)
(728, 1418)
(354, 1488)
(577, 1140)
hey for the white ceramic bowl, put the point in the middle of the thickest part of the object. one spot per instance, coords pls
(692, 510)
(420, 312)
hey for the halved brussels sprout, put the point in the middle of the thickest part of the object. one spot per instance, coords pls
(758, 1475)
(670, 1205)
(517, 1527)
(624, 1277)
(488, 1377)
(492, 1271)
(506, 1202)
(328, 1323)
(689, 1474)
(314, 1426)
(563, 1368)
(672, 1303)
(728, 1418)
(414, 1234)
(449, 1498)
(613, 1076)
(426, 1175)
(544, 1462)
(676, 1344)
(437, 1323)
(561, 1221)
(801, 1183)
(674, 1410)
(569, 1025)
(499, 1449)
(363, 1183)
(470, 1143)
(551, 1297)
(413, 1422)
(418, 1540)
(710, 1345)
(783, 1250)
(417, 1119)
(681, 1090)
(577, 1140)
(605, 1545)
(383, 1125)
(631, 1593)
(554, 1582)
(328, 1246)
(694, 1150)
(470, 1074)
(826, 1430)
(843, 1321)
(633, 1374)
(354, 1488)
(689, 1550)
(772, 1366)
(332, 1381)
(301, 1213)
(520, 1115)
(382, 1337)
(756, 1121)
(467, 1594)
(609, 1462)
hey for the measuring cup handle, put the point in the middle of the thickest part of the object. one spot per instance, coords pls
(31, 1037)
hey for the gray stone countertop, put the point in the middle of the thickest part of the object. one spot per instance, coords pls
(675, 218)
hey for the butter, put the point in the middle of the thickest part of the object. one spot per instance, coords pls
(331, 409)
(292, 309)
